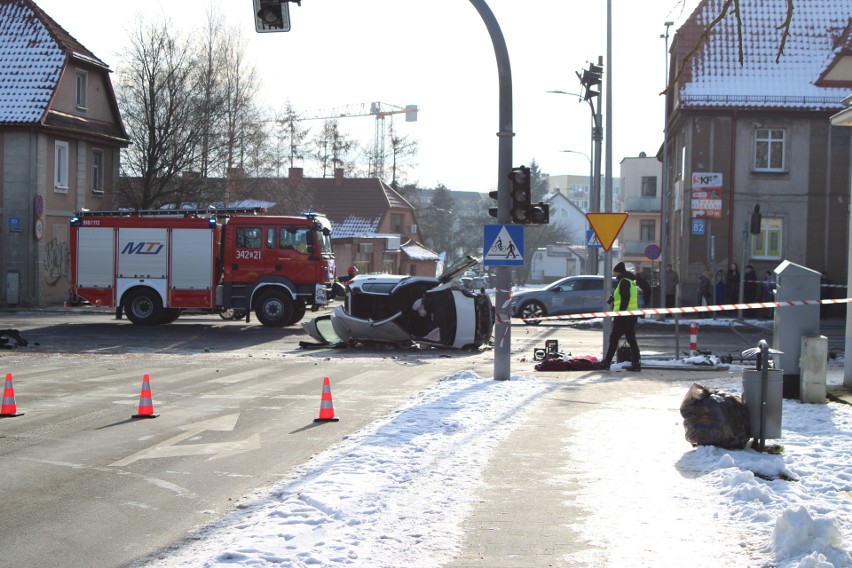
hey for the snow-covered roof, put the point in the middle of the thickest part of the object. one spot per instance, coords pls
(819, 35)
(33, 51)
(354, 226)
(416, 251)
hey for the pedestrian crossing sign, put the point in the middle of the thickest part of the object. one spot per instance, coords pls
(503, 245)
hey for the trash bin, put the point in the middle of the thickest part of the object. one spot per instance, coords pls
(752, 398)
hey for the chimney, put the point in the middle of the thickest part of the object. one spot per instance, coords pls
(236, 173)
(338, 176)
(296, 175)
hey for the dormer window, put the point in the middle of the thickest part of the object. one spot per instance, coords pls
(82, 90)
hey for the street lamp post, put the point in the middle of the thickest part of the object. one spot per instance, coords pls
(594, 184)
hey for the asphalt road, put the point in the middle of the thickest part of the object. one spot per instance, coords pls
(83, 483)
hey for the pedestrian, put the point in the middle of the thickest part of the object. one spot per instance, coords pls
(624, 297)
(732, 284)
(750, 287)
(672, 281)
(705, 296)
(825, 293)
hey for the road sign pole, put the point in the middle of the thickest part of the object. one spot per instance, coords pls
(502, 327)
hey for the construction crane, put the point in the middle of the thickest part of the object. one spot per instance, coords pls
(378, 109)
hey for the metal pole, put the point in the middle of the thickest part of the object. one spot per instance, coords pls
(664, 202)
(502, 327)
(607, 268)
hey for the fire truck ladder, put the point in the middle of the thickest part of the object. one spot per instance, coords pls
(218, 212)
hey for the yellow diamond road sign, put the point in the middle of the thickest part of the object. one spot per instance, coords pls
(606, 226)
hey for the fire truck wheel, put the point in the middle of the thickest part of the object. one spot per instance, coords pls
(143, 307)
(170, 315)
(274, 308)
(299, 309)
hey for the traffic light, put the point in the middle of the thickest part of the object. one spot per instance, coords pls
(272, 15)
(754, 221)
(540, 214)
(590, 79)
(492, 210)
(521, 195)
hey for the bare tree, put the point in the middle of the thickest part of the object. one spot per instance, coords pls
(402, 148)
(289, 139)
(156, 95)
(332, 148)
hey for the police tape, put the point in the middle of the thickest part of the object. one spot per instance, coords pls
(691, 309)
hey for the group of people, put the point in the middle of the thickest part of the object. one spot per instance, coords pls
(724, 288)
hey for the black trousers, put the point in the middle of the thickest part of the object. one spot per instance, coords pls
(623, 326)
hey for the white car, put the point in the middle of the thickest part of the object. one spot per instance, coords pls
(403, 310)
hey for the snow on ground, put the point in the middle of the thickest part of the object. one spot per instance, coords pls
(396, 493)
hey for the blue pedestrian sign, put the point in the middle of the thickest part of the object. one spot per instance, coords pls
(592, 240)
(503, 245)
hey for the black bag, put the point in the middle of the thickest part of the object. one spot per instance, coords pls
(714, 418)
(624, 353)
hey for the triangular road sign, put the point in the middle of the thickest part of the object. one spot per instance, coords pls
(606, 226)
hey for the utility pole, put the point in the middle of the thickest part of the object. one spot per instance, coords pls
(503, 324)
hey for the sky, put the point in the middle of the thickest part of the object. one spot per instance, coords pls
(438, 55)
(398, 492)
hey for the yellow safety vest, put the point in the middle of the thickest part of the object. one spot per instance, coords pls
(633, 303)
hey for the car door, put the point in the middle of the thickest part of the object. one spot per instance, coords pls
(593, 295)
(566, 298)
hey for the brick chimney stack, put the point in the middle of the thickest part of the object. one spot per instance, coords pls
(296, 175)
(338, 176)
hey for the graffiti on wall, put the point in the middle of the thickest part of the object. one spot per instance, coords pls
(57, 262)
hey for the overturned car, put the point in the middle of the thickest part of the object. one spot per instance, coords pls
(402, 310)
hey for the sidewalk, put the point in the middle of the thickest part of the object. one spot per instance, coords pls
(595, 477)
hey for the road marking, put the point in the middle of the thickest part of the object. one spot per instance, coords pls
(169, 448)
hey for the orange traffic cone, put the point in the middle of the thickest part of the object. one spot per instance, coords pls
(146, 405)
(9, 408)
(326, 413)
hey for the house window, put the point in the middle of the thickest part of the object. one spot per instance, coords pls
(396, 223)
(767, 244)
(649, 186)
(82, 92)
(97, 171)
(647, 230)
(60, 167)
(769, 150)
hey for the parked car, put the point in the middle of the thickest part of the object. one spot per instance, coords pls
(571, 295)
(402, 310)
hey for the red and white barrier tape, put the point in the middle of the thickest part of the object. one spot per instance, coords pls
(498, 318)
(694, 309)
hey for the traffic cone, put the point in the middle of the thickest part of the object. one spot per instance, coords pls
(326, 413)
(9, 408)
(146, 405)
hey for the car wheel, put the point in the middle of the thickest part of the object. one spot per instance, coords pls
(232, 314)
(274, 308)
(144, 307)
(532, 309)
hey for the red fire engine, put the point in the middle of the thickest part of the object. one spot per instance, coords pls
(153, 264)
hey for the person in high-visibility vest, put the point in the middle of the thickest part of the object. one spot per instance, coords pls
(625, 296)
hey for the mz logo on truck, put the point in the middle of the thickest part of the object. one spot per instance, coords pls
(142, 248)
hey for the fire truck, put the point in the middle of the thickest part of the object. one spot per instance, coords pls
(151, 265)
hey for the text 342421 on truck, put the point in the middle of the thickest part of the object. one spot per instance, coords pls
(153, 264)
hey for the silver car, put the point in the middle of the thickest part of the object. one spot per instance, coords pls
(571, 295)
(403, 310)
